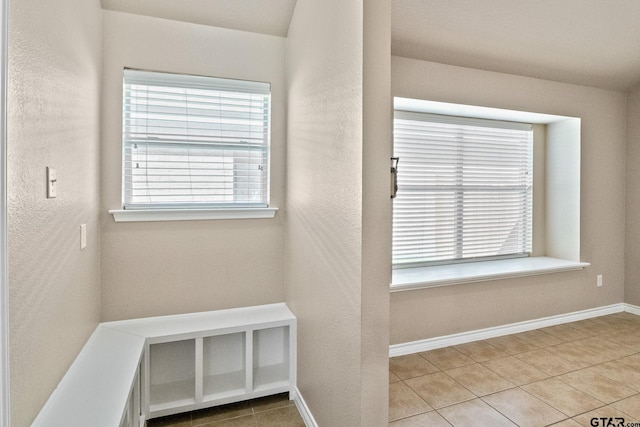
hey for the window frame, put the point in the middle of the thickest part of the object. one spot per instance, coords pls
(198, 210)
(407, 126)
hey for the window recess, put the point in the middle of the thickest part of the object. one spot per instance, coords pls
(193, 142)
(465, 189)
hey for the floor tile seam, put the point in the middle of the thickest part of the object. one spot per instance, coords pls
(507, 379)
(456, 403)
(448, 406)
(564, 413)
(254, 412)
(635, 388)
(503, 414)
(208, 423)
(424, 357)
(275, 409)
(622, 412)
(637, 392)
(417, 376)
(445, 418)
(411, 416)
(467, 388)
(524, 391)
(582, 413)
(567, 372)
(418, 394)
(214, 423)
(501, 377)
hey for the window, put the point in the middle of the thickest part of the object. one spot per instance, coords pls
(465, 189)
(194, 142)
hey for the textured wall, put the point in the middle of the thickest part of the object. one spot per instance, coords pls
(632, 252)
(441, 311)
(53, 120)
(324, 204)
(376, 209)
(158, 268)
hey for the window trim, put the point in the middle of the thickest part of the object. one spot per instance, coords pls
(561, 226)
(407, 279)
(198, 210)
(153, 215)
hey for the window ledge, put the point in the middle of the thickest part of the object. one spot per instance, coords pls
(142, 215)
(454, 274)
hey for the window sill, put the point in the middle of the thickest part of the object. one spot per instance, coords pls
(144, 215)
(454, 274)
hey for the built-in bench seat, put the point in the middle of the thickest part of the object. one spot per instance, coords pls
(133, 370)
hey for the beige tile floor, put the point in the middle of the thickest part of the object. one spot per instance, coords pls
(271, 411)
(562, 375)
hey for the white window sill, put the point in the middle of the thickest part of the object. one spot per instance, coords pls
(454, 274)
(142, 215)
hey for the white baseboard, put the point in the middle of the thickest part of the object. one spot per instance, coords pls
(633, 309)
(305, 413)
(513, 328)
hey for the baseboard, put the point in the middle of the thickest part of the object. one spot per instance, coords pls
(633, 309)
(513, 328)
(305, 413)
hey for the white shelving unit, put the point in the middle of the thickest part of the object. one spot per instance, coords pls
(198, 360)
(134, 370)
(102, 386)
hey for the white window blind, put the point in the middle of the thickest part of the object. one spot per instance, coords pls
(194, 142)
(464, 189)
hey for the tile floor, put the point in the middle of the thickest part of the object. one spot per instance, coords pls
(562, 375)
(271, 411)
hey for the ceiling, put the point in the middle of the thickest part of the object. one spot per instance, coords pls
(587, 42)
(258, 16)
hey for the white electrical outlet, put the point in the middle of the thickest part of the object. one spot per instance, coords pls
(83, 236)
(599, 280)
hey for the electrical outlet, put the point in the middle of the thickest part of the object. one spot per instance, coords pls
(599, 280)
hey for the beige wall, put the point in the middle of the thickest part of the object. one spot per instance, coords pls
(333, 298)
(53, 120)
(376, 208)
(632, 253)
(324, 204)
(158, 268)
(440, 311)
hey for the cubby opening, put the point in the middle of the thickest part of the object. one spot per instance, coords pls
(270, 358)
(224, 365)
(172, 374)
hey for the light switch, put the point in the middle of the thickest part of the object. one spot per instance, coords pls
(83, 236)
(52, 183)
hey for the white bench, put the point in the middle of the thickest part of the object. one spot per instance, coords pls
(133, 370)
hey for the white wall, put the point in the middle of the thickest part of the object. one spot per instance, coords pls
(337, 167)
(562, 181)
(158, 268)
(53, 120)
(440, 311)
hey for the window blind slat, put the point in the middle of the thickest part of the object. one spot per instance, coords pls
(191, 141)
(464, 189)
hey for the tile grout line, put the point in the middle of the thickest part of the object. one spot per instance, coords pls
(601, 324)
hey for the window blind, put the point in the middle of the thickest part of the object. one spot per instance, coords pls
(194, 142)
(464, 189)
